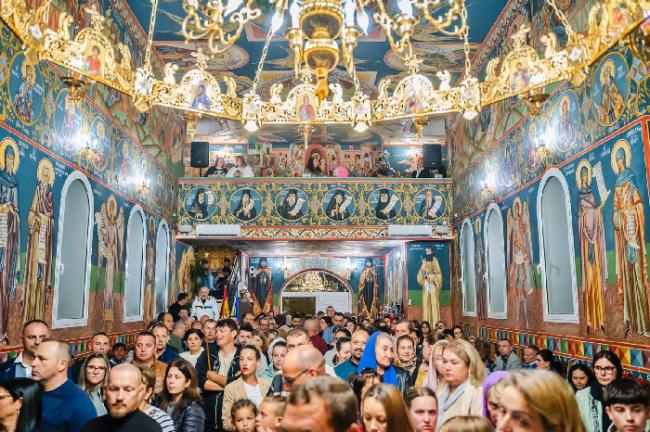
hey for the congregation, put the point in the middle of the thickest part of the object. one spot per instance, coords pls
(191, 370)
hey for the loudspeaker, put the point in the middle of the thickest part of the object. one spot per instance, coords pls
(200, 154)
(432, 155)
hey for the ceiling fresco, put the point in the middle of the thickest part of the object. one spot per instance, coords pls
(373, 55)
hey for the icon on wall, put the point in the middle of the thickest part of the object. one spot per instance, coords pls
(338, 204)
(291, 204)
(430, 204)
(610, 89)
(385, 204)
(246, 204)
(26, 89)
(200, 203)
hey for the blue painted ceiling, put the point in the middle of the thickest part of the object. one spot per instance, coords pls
(374, 59)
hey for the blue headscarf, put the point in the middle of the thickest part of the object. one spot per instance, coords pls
(369, 361)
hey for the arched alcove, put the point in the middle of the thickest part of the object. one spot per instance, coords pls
(136, 238)
(162, 268)
(495, 263)
(318, 286)
(468, 269)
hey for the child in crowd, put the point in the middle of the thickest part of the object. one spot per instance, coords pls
(269, 415)
(243, 415)
(626, 404)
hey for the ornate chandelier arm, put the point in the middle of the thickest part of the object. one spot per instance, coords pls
(403, 27)
(207, 22)
(442, 23)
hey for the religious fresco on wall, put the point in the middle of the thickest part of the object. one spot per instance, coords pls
(469, 139)
(365, 275)
(35, 103)
(428, 275)
(395, 277)
(608, 194)
(311, 203)
(54, 136)
(614, 94)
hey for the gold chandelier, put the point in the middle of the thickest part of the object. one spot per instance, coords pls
(321, 34)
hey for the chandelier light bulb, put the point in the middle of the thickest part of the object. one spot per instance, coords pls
(294, 12)
(232, 6)
(276, 22)
(251, 126)
(470, 114)
(363, 20)
(361, 127)
(406, 7)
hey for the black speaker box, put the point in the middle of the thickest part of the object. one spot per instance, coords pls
(432, 155)
(200, 154)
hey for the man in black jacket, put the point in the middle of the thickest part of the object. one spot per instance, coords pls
(218, 366)
(181, 303)
(124, 393)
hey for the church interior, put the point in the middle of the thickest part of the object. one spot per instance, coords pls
(484, 163)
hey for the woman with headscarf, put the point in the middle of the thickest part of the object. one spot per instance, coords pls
(490, 396)
(378, 356)
(435, 374)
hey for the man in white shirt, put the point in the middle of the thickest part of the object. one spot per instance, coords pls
(206, 305)
(34, 332)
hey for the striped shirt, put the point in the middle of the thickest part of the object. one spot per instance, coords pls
(162, 418)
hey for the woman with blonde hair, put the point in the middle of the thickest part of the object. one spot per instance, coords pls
(383, 410)
(537, 400)
(467, 424)
(435, 372)
(464, 372)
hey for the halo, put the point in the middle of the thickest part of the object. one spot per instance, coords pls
(583, 164)
(620, 144)
(608, 64)
(45, 163)
(9, 142)
(113, 213)
(516, 201)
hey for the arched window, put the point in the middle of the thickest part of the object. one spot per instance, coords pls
(73, 251)
(496, 263)
(135, 262)
(468, 269)
(556, 248)
(162, 268)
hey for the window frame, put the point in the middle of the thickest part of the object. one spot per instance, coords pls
(547, 316)
(494, 208)
(467, 223)
(73, 322)
(136, 209)
(163, 224)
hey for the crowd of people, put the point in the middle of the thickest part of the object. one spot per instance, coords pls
(331, 372)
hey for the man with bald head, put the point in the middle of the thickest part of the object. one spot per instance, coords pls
(312, 327)
(301, 364)
(64, 406)
(124, 392)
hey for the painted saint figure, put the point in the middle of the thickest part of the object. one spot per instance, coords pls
(38, 266)
(521, 279)
(246, 208)
(592, 250)
(385, 208)
(9, 230)
(430, 209)
(262, 288)
(110, 235)
(479, 266)
(368, 303)
(93, 62)
(612, 103)
(291, 207)
(629, 235)
(337, 209)
(24, 99)
(149, 273)
(430, 279)
(201, 101)
(199, 207)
